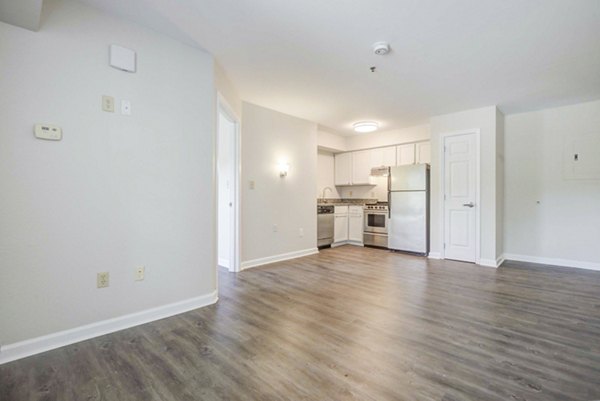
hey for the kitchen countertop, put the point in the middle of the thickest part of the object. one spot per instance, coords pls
(345, 202)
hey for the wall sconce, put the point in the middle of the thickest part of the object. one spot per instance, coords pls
(283, 169)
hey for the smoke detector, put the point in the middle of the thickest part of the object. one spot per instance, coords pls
(381, 48)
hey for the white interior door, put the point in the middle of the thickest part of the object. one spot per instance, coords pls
(226, 158)
(460, 197)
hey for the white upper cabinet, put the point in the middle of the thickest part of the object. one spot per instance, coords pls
(343, 169)
(423, 152)
(405, 154)
(389, 156)
(354, 168)
(361, 167)
(383, 157)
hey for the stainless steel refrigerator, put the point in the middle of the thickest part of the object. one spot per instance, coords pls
(408, 197)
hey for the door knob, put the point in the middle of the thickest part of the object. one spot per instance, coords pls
(470, 204)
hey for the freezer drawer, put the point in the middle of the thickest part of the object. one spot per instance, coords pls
(408, 222)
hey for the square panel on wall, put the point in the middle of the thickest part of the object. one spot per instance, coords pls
(581, 157)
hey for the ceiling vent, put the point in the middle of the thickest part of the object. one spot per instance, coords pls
(381, 48)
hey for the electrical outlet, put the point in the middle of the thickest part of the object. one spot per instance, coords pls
(301, 232)
(108, 103)
(251, 184)
(139, 273)
(102, 280)
(350, 193)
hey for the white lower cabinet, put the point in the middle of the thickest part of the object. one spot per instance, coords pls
(340, 224)
(348, 225)
(355, 224)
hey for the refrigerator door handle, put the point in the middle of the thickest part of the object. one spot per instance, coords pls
(389, 179)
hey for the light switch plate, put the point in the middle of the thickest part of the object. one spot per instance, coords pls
(108, 103)
(139, 273)
(48, 132)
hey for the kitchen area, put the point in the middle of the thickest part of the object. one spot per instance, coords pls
(375, 197)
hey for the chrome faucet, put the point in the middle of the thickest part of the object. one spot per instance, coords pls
(324, 189)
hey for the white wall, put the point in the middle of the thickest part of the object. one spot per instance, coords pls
(227, 91)
(387, 138)
(483, 119)
(330, 141)
(269, 137)
(23, 13)
(326, 175)
(500, 183)
(117, 191)
(564, 227)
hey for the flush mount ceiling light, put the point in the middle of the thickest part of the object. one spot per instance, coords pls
(365, 126)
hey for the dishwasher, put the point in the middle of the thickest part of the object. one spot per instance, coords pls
(324, 225)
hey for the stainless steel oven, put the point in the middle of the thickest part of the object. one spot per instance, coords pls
(375, 231)
(376, 221)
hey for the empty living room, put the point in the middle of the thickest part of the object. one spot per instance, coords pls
(300, 200)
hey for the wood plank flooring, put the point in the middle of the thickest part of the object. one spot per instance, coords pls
(348, 324)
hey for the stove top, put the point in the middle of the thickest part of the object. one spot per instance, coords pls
(376, 207)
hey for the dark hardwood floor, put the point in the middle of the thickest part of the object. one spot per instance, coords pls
(347, 324)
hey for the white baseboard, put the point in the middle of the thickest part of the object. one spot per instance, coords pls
(349, 242)
(491, 262)
(500, 260)
(481, 262)
(22, 349)
(553, 261)
(278, 258)
(224, 263)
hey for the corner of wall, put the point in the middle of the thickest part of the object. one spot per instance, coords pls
(330, 141)
(227, 90)
(500, 172)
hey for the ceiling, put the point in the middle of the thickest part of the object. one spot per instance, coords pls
(311, 58)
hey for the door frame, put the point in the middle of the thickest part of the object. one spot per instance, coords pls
(442, 188)
(224, 107)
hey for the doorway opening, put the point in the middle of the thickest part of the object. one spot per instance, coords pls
(460, 189)
(228, 166)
